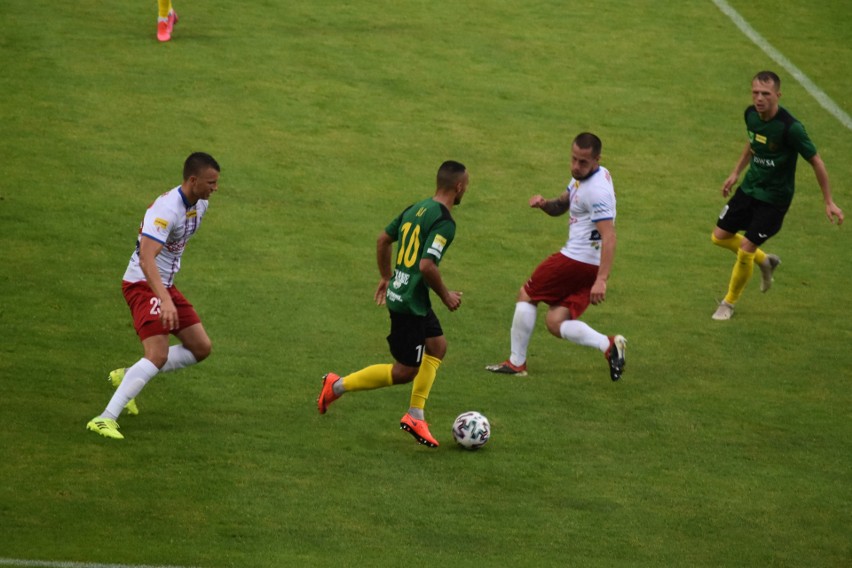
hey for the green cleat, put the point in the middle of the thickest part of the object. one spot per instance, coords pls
(106, 427)
(115, 378)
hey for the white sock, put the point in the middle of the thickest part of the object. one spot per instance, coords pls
(135, 379)
(522, 327)
(179, 357)
(580, 333)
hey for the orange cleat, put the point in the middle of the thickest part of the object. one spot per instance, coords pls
(327, 395)
(419, 429)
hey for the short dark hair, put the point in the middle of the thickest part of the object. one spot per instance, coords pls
(587, 140)
(449, 174)
(768, 77)
(197, 162)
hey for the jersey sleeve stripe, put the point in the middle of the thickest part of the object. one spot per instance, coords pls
(153, 238)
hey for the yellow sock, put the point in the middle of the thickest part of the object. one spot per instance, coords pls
(372, 377)
(163, 8)
(423, 381)
(740, 276)
(733, 245)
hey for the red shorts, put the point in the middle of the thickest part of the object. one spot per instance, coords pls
(562, 281)
(145, 308)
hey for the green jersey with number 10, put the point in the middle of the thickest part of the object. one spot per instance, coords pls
(424, 230)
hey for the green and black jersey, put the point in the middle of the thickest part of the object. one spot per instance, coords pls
(775, 147)
(424, 230)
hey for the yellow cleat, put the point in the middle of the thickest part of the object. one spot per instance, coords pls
(105, 427)
(115, 378)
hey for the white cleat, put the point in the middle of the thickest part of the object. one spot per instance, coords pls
(724, 312)
(766, 270)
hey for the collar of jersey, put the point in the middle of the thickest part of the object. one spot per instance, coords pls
(591, 174)
(186, 203)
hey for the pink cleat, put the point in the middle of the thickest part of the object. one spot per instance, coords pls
(163, 31)
(173, 19)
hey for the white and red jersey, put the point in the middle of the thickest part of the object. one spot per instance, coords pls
(171, 221)
(592, 200)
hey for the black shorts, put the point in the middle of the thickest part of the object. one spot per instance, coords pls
(407, 339)
(759, 219)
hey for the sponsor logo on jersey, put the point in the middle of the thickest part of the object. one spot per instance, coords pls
(437, 248)
(598, 208)
(760, 138)
(161, 223)
(393, 296)
(400, 278)
(765, 162)
(191, 214)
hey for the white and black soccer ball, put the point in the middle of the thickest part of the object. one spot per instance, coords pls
(471, 430)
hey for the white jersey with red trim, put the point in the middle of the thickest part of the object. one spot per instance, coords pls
(170, 221)
(592, 200)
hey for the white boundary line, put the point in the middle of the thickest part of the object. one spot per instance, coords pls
(817, 93)
(48, 564)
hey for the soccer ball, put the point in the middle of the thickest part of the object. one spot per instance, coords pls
(471, 430)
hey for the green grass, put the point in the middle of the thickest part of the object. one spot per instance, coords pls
(724, 444)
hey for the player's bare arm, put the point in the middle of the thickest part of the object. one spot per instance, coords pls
(148, 251)
(553, 207)
(607, 231)
(384, 248)
(433, 278)
(729, 183)
(832, 211)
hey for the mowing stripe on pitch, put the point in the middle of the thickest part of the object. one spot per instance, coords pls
(49, 564)
(817, 93)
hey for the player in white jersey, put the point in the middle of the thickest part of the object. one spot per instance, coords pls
(567, 281)
(171, 220)
(157, 306)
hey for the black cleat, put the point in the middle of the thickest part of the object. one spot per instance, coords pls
(615, 356)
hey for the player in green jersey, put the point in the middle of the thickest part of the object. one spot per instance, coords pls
(424, 232)
(758, 207)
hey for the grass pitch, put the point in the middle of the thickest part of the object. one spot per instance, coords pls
(724, 444)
